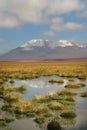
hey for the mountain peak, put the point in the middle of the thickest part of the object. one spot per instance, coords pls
(41, 43)
(45, 49)
(35, 43)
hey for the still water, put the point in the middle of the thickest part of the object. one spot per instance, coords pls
(40, 86)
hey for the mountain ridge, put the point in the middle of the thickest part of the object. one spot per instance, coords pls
(45, 49)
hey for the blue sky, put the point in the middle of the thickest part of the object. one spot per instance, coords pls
(23, 20)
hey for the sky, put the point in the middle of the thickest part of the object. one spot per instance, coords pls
(23, 20)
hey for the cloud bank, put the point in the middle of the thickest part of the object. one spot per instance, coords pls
(15, 13)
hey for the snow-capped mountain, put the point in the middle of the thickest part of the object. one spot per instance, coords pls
(36, 43)
(42, 43)
(45, 49)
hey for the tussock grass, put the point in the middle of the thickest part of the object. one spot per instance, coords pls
(39, 120)
(75, 86)
(11, 81)
(54, 125)
(83, 94)
(69, 114)
(55, 106)
(56, 81)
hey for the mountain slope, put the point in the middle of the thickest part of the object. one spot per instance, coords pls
(45, 49)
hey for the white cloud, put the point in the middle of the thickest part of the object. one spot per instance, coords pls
(14, 13)
(73, 26)
(49, 33)
(9, 21)
(64, 6)
(60, 26)
(56, 20)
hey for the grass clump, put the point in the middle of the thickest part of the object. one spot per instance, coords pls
(42, 109)
(71, 79)
(39, 120)
(56, 81)
(30, 114)
(41, 99)
(4, 120)
(69, 114)
(75, 86)
(55, 106)
(66, 102)
(64, 97)
(68, 92)
(83, 94)
(8, 120)
(11, 81)
(60, 81)
(54, 125)
(21, 89)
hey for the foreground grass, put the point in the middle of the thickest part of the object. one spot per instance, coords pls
(5, 120)
(41, 108)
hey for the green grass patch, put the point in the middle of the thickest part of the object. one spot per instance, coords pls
(39, 120)
(21, 89)
(56, 81)
(75, 86)
(71, 79)
(83, 94)
(11, 81)
(68, 92)
(55, 106)
(54, 125)
(69, 114)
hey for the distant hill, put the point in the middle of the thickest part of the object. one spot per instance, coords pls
(45, 49)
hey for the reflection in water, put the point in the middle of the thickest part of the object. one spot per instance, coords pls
(40, 86)
(36, 84)
(40, 83)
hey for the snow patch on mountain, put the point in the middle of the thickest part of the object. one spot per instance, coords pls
(33, 43)
(64, 43)
(45, 43)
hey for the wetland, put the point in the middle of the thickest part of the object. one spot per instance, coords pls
(42, 96)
